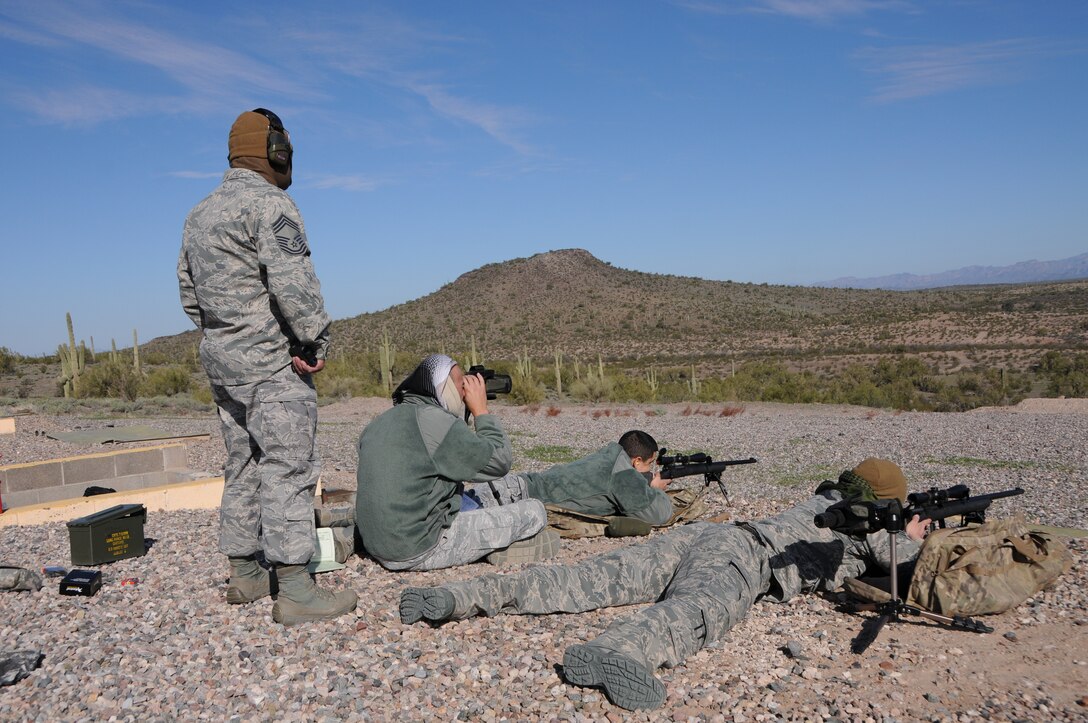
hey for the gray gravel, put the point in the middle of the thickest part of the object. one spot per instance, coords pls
(171, 649)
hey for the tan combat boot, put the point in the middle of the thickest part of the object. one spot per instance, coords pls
(248, 581)
(301, 601)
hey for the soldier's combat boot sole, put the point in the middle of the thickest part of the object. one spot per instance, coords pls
(582, 665)
(626, 683)
(629, 685)
(433, 604)
(541, 546)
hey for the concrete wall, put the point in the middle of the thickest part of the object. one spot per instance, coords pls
(195, 495)
(60, 479)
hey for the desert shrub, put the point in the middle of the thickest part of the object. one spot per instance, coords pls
(155, 358)
(355, 375)
(8, 360)
(526, 390)
(203, 393)
(630, 389)
(166, 381)
(110, 379)
(1065, 375)
(592, 389)
(338, 386)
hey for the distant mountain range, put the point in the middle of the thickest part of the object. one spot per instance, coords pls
(1075, 267)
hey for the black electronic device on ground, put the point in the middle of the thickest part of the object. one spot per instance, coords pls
(81, 582)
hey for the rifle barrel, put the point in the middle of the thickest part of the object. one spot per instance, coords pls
(684, 470)
(952, 508)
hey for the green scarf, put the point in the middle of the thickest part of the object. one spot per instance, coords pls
(851, 486)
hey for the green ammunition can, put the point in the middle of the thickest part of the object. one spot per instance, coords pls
(109, 535)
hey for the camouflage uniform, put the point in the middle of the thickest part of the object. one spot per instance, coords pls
(702, 577)
(247, 282)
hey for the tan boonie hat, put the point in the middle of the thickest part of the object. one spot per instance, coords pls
(885, 477)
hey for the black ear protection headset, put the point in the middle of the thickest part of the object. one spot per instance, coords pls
(279, 145)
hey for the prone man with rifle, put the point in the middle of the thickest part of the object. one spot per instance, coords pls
(615, 492)
(701, 579)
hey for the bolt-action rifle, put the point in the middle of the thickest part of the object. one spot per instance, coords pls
(684, 465)
(854, 518)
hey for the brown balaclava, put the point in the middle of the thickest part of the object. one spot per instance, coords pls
(885, 477)
(248, 148)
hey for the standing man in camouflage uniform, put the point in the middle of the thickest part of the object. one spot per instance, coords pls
(248, 284)
(702, 577)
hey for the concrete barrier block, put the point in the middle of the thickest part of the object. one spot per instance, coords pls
(55, 494)
(18, 499)
(19, 478)
(139, 462)
(85, 470)
(174, 457)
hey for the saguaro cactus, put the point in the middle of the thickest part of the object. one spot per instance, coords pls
(651, 381)
(694, 386)
(559, 371)
(135, 352)
(73, 361)
(386, 359)
(473, 359)
(525, 364)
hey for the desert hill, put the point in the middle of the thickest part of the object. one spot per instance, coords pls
(569, 299)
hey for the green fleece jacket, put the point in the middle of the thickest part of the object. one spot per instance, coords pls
(412, 459)
(603, 483)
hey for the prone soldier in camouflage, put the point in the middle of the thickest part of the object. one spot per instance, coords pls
(247, 282)
(702, 577)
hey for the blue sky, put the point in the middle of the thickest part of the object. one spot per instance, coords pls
(780, 141)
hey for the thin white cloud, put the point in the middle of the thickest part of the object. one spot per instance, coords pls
(814, 10)
(206, 71)
(917, 71)
(343, 183)
(26, 37)
(371, 45)
(89, 104)
(496, 121)
(387, 51)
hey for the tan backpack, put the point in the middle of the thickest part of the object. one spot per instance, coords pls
(988, 568)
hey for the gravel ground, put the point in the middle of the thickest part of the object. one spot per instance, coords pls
(172, 649)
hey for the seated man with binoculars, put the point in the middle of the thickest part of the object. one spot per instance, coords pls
(414, 462)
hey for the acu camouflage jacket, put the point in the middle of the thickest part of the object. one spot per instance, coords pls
(247, 282)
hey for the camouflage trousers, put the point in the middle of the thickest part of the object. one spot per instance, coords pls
(702, 579)
(476, 533)
(269, 428)
(501, 491)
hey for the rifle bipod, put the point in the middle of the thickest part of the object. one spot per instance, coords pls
(892, 610)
